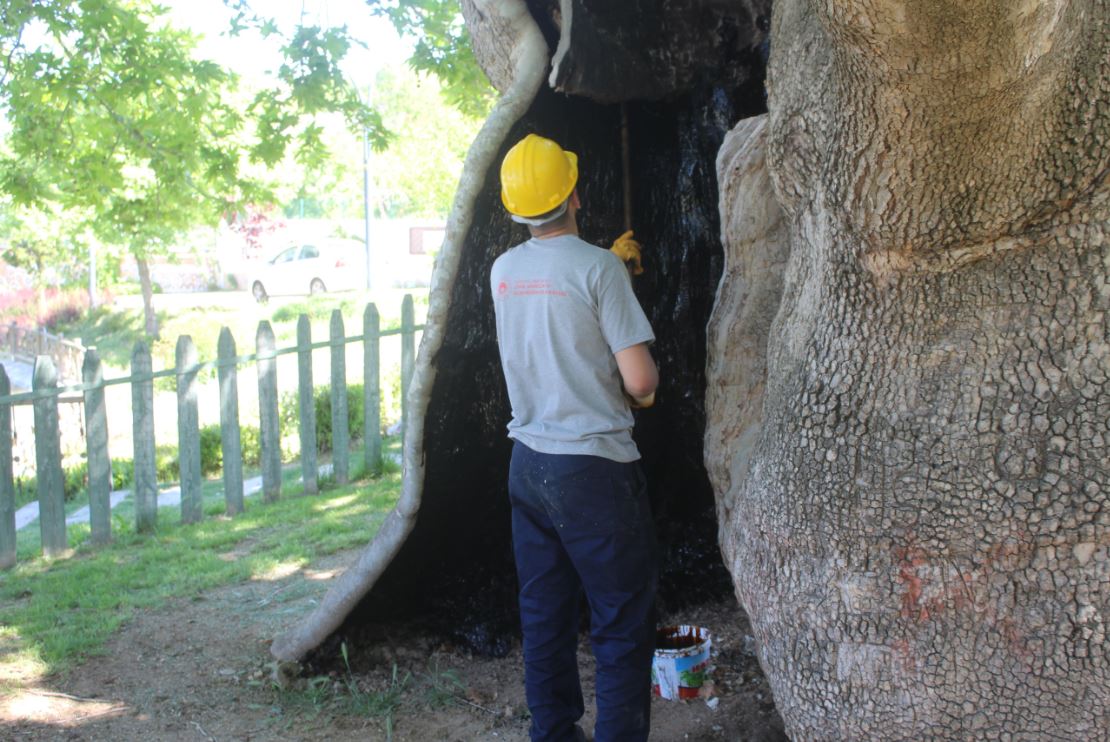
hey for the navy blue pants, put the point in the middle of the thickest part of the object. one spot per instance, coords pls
(582, 524)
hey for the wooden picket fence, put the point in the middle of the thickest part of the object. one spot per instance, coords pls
(144, 488)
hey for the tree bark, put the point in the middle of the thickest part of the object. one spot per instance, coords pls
(757, 247)
(917, 506)
(150, 319)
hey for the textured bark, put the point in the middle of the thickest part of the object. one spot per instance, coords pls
(757, 247)
(489, 30)
(918, 521)
(146, 286)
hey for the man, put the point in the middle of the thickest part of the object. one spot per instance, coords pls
(573, 342)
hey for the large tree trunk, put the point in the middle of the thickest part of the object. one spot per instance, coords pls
(917, 499)
(150, 319)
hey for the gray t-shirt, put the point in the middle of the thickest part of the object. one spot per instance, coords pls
(564, 307)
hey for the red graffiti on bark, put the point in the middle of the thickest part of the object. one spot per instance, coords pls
(911, 598)
(1016, 641)
(935, 584)
(907, 659)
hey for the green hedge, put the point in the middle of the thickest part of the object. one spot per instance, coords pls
(212, 452)
(75, 479)
(289, 414)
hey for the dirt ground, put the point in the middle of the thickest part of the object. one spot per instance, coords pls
(200, 670)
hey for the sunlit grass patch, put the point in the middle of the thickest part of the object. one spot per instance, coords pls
(19, 662)
(56, 613)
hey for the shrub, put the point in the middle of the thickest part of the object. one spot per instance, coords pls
(123, 473)
(64, 312)
(211, 450)
(289, 414)
(61, 306)
(250, 437)
(75, 479)
(166, 466)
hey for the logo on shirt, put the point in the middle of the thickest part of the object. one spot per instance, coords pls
(530, 287)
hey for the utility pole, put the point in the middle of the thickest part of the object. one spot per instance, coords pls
(92, 274)
(366, 203)
(366, 195)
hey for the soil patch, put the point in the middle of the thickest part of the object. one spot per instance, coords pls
(200, 670)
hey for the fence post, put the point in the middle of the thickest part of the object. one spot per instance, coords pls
(48, 460)
(96, 449)
(306, 406)
(145, 481)
(340, 431)
(231, 442)
(7, 483)
(371, 390)
(408, 358)
(270, 432)
(188, 430)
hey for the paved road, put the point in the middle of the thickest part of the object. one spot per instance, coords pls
(29, 513)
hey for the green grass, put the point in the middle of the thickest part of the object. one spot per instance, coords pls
(29, 539)
(53, 614)
(378, 695)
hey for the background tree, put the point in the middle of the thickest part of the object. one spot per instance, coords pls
(46, 242)
(417, 175)
(442, 48)
(111, 112)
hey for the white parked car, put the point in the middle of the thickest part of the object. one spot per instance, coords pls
(311, 268)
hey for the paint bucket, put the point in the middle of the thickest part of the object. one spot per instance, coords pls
(681, 663)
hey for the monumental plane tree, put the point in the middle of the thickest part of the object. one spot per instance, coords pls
(907, 385)
(910, 410)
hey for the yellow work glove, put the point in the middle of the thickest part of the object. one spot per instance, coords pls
(628, 250)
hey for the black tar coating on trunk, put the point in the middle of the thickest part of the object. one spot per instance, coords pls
(454, 576)
(651, 49)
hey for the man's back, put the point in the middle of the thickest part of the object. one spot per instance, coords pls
(564, 307)
(571, 332)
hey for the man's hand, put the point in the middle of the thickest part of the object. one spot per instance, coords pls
(628, 250)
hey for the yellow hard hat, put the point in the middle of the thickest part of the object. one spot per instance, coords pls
(536, 176)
